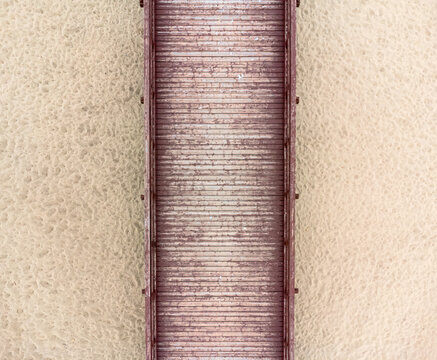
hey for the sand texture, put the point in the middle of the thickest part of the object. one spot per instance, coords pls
(71, 164)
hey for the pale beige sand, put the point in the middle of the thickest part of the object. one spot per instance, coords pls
(71, 262)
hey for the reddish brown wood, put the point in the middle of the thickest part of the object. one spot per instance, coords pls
(146, 196)
(148, 100)
(289, 176)
(220, 137)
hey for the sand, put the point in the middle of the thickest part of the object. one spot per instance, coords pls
(71, 263)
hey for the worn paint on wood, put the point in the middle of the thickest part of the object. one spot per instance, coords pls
(148, 176)
(289, 176)
(220, 157)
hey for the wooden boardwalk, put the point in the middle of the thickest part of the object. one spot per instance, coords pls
(219, 179)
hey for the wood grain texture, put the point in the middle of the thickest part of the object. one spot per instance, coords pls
(220, 126)
(148, 179)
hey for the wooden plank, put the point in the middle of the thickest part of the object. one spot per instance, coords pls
(289, 177)
(219, 90)
(219, 153)
(147, 183)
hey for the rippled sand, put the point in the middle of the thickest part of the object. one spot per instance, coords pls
(71, 253)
